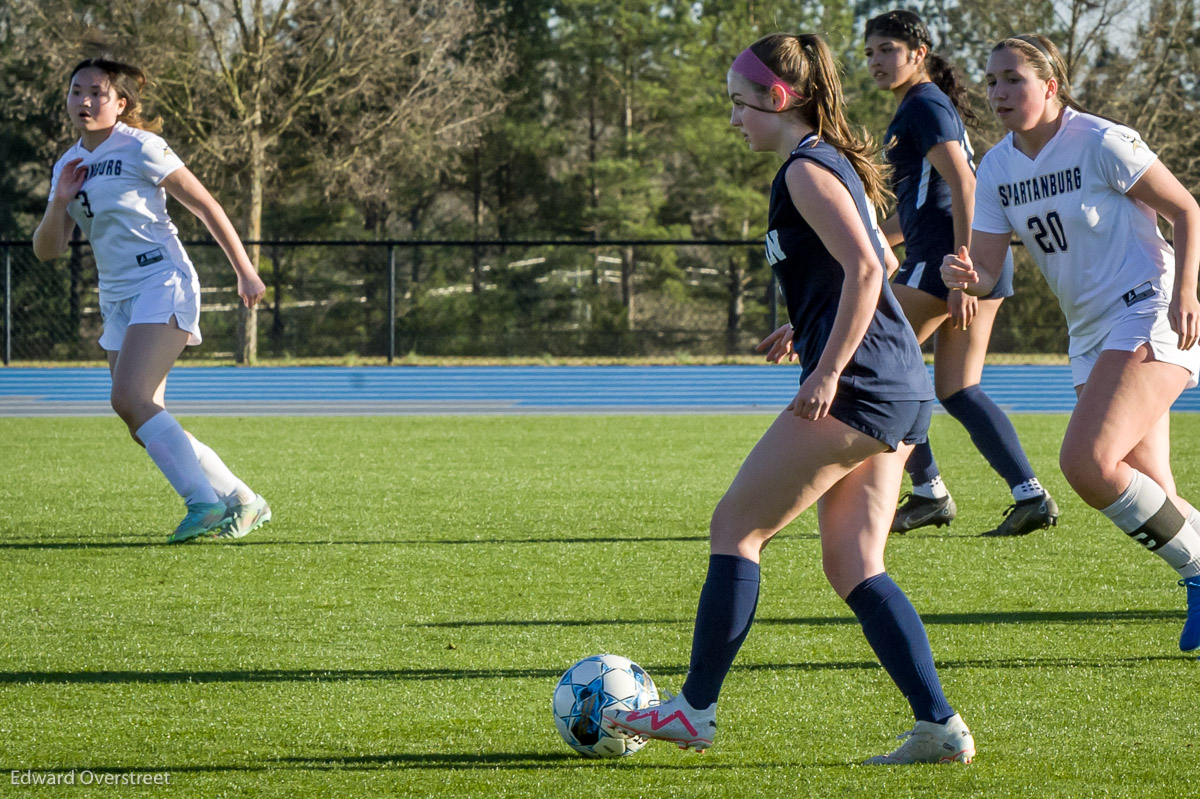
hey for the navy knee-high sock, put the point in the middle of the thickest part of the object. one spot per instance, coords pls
(723, 618)
(991, 432)
(921, 466)
(895, 632)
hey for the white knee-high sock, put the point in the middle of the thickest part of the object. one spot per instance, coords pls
(1147, 516)
(1193, 518)
(229, 488)
(168, 446)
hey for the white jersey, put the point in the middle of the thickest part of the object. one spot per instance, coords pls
(1099, 250)
(122, 209)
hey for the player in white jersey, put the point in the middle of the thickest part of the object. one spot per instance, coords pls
(114, 183)
(1084, 194)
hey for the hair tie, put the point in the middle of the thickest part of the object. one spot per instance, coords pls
(752, 68)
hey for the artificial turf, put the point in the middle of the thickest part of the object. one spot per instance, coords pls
(399, 627)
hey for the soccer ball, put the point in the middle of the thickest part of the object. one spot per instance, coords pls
(590, 686)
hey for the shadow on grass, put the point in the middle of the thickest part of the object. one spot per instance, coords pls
(512, 760)
(27, 544)
(1000, 617)
(400, 675)
(516, 761)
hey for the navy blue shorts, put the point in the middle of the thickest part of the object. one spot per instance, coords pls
(926, 276)
(889, 421)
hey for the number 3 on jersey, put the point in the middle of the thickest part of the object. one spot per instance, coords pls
(1043, 232)
(87, 208)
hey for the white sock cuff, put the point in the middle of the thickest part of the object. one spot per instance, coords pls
(1029, 489)
(934, 489)
(1141, 499)
(156, 425)
(1193, 519)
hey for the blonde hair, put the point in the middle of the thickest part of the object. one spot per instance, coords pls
(805, 62)
(127, 81)
(1046, 61)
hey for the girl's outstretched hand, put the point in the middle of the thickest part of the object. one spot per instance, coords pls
(778, 345)
(815, 396)
(962, 307)
(70, 180)
(958, 271)
(1184, 313)
(251, 289)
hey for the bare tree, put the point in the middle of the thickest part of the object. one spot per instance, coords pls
(363, 82)
(370, 89)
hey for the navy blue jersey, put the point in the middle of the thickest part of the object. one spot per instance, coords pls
(924, 118)
(888, 363)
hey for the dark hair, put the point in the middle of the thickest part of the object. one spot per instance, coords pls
(805, 62)
(1047, 63)
(907, 27)
(127, 81)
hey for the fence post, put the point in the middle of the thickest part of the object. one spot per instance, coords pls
(391, 303)
(7, 304)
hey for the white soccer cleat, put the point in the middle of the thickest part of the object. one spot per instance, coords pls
(244, 518)
(672, 719)
(927, 742)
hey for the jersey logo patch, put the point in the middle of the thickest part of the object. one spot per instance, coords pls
(1138, 293)
(1131, 139)
(152, 257)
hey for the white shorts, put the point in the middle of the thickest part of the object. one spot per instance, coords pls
(175, 294)
(1145, 325)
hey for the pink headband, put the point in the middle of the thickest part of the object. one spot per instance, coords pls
(751, 67)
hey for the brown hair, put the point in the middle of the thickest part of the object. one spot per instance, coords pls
(127, 81)
(1047, 62)
(907, 27)
(805, 62)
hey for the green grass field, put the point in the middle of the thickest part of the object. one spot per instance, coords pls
(400, 626)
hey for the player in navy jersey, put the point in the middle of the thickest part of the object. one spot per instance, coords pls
(864, 399)
(934, 180)
(1084, 193)
(114, 183)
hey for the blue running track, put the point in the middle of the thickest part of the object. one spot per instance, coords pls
(484, 390)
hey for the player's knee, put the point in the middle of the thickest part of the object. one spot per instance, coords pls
(723, 527)
(1085, 468)
(843, 574)
(732, 530)
(132, 409)
(123, 404)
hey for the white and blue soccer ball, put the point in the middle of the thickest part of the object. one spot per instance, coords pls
(589, 687)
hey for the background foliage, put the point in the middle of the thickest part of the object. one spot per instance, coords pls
(504, 120)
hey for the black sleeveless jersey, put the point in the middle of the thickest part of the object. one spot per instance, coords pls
(888, 362)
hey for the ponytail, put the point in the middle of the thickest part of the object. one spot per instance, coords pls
(806, 64)
(945, 76)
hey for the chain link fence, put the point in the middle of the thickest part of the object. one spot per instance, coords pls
(435, 298)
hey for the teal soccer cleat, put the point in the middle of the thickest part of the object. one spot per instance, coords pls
(203, 518)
